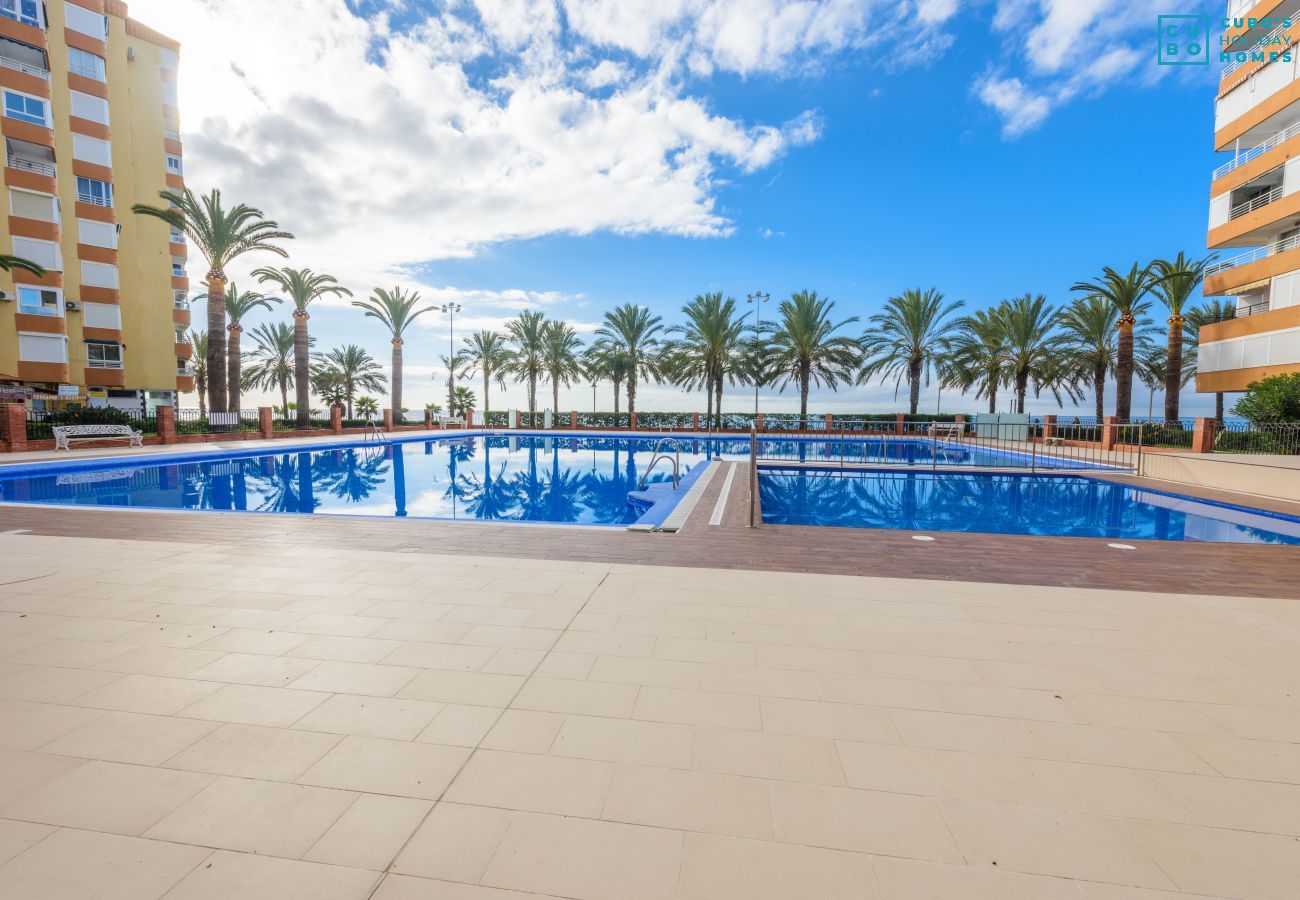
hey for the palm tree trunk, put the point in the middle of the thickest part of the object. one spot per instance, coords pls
(217, 394)
(631, 394)
(1218, 407)
(532, 394)
(1173, 369)
(1022, 388)
(284, 399)
(301, 384)
(1124, 370)
(708, 403)
(232, 366)
(202, 385)
(396, 391)
(914, 383)
(717, 406)
(1099, 390)
(993, 397)
(555, 395)
(487, 403)
(803, 401)
(618, 383)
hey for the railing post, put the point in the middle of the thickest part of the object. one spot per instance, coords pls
(1203, 436)
(898, 423)
(266, 421)
(388, 420)
(13, 426)
(336, 419)
(573, 419)
(753, 474)
(428, 418)
(632, 421)
(695, 421)
(758, 422)
(1108, 434)
(1141, 436)
(166, 419)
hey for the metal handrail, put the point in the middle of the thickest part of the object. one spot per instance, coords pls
(94, 200)
(373, 430)
(1255, 203)
(40, 168)
(655, 456)
(1251, 256)
(25, 68)
(1247, 155)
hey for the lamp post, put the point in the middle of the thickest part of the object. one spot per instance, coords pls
(451, 309)
(757, 299)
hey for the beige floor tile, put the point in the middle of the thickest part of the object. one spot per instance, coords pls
(724, 653)
(460, 726)
(510, 637)
(1009, 702)
(1130, 747)
(130, 738)
(590, 698)
(872, 690)
(148, 694)
(912, 879)
(371, 831)
(252, 668)
(356, 678)
(455, 842)
(1102, 790)
(585, 859)
(697, 708)
(407, 887)
(470, 688)
(1255, 723)
(976, 734)
(625, 741)
(344, 649)
(46, 684)
(762, 755)
(514, 662)
(690, 801)
(664, 673)
(811, 659)
(1092, 890)
(455, 657)
(255, 816)
(22, 772)
(722, 868)
(414, 630)
(1220, 861)
(524, 731)
(602, 644)
(550, 784)
(381, 717)
(1057, 679)
(103, 796)
(376, 766)
(565, 665)
(1050, 842)
(260, 641)
(108, 867)
(1141, 713)
(862, 821)
(761, 681)
(252, 751)
(255, 705)
(924, 668)
(1237, 758)
(16, 837)
(1236, 803)
(338, 625)
(251, 877)
(69, 654)
(175, 634)
(921, 770)
(29, 725)
(816, 718)
(160, 661)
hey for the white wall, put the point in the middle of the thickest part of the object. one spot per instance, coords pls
(1274, 348)
(1259, 87)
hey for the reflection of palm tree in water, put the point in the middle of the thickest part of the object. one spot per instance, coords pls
(289, 486)
(563, 492)
(487, 496)
(353, 476)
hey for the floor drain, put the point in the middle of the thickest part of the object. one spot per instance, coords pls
(1122, 546)
(922, 537)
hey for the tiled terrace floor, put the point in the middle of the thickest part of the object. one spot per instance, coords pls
(215, 721)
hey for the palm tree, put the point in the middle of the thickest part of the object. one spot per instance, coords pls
(303, 286)
(907, 338)
(637, 330)
(222, 236)
(526, 363)
(238, 305)
(396, 309)
(560, 356)
(350, 368)
(804, 348)
(272, 364)
(1089, 338)
(367, 406)
(1178, 279)
(708, 352)
(976, 356)
(1210, 313)
(9, 263)
(1150, 369)
(486, 353)
(199, 341)
(1028, 325)
(608, 360)
(463, 401)
(1126, 293)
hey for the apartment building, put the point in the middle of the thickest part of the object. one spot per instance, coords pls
(1255, 201)
(90, 126)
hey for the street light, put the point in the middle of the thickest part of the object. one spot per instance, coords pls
(757, 299)
(451, 309)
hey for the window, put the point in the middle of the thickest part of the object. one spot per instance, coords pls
(46, 348)
(174, 164)
(183, 366)
(99, 193)
(102, 315)
(87, 65)
(178, 268)
(180, 335)
(24, 58)
(92, 150)
(89, 23)
(101, 275)
(103, 355)
(45, 254)
(89, 107)
(30, 205)
(26, 109)
(26, 11)
(176, 237)
(97, 234)
(180, 300)
(38, 301)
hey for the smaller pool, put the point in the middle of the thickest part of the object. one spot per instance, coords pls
(1069, 505)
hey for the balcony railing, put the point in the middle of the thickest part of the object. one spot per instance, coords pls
(32, 165)
(1251, 256)
(172, 135)
(1247, 155)
(185, 371)
(1243, 55)
(1251, 309)
(181, 303)
(94, 199)
(1255, 203)
(103, 363)
(25, 68)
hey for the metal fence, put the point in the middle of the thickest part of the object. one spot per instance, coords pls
(40, 423)
(194, 421)
(1273, 438)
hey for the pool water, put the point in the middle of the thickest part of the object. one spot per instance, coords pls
(518, 478)
(1009, 504)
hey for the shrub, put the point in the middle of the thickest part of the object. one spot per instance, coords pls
(1275, 399)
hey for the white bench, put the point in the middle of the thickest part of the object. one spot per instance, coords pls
(444, 421)
(63, 434)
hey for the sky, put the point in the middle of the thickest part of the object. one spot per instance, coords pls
(573, 155)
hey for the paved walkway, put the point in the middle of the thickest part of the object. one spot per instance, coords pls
(276, 721)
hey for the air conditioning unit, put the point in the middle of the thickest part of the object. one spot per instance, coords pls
(72, 306)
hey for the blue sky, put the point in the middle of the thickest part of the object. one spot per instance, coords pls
(553, 155)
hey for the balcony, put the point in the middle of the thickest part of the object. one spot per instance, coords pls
(1252, 308)
(26, 68)
(1243, 56)
(182, 303)
(94, 199)
(103, 363)
(1251, 256)
(172, 135)
(184, 371)
(1254, 152)
(1257, 202)
(48, 169)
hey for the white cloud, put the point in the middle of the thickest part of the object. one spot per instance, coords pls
(1020, 108)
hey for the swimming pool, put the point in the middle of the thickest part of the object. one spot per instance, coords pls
(528, 478)
(1069, 505)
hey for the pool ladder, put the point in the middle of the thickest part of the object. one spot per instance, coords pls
(655, 456)
(373, 430)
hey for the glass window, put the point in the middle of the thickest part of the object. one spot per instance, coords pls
(104, 356)
(24, 108)
(178, 267)
(34, 301)
(174, 164)
(100, 193)
(87, 65)
(26, 11)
